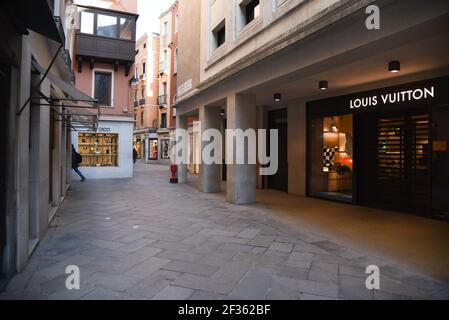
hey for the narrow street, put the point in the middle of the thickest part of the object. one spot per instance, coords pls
(143, 238)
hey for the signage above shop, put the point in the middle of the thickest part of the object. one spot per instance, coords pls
(393, 97)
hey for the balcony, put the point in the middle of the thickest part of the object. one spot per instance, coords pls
(136, 104)
(143, 77)
(68, 62)
(162, 100)
(162, 67)
(142, 102)
(105, 49)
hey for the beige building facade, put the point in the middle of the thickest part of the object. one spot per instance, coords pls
(310, 70)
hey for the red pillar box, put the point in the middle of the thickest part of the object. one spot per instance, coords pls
(174, 173)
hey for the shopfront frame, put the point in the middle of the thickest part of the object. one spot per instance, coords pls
(340, 106)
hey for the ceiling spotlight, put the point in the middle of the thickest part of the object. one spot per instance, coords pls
(323, 85)
(277, 97)
(394, 66)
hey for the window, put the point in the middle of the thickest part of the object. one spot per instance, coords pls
(165, 29)
(135, 120)
(126, 29)
(165, 149)
(106, 26)
(135, 96)
(152, 151)
(220, 34)
(175, 62)
(142, 119)
(144, 68)
(98, 150)
(103, 88)
(251, 10)
(331, 157)
(87, 22)
(144, 45)
(163, 121)
(164, 88)
(143, 92)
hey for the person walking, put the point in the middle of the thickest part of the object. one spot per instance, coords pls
(134, 155)
(77, 159)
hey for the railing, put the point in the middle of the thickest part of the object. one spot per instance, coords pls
(142, 102)
(162, 99)
(142, 76)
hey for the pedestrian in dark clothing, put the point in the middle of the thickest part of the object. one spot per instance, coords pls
(77, 159)
(134, 154)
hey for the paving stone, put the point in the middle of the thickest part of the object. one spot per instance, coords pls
(192, 268)
(173, 293)
(113, 282)
(310, 287)
(147, 267)
(248, 233)
(282, 247)
(211, 284)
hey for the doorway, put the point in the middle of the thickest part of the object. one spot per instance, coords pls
(394, 161)
(278, 121)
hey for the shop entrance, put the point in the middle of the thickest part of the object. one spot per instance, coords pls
(278, 121)
(394, 160)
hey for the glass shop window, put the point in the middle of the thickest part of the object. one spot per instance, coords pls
(331, 160)
(152, 151)
(165, 149)
(98, 150)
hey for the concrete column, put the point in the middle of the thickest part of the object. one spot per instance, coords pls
(241, 179)
(210, 175)
(181, 123)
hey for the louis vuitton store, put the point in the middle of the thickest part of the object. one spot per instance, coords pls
(387, 148)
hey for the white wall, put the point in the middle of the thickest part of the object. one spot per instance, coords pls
(124, 128)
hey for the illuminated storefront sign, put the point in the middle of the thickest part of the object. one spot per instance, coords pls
(393, 98)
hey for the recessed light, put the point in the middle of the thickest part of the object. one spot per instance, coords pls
(394, 66)
(323, 85)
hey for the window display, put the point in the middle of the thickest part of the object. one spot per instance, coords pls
(332, 157)
(98, 150)
(152, 151)
(165, 149)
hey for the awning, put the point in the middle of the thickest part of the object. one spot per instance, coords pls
(83, 112)
(35, 15)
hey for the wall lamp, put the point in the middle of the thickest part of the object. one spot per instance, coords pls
(277, 97)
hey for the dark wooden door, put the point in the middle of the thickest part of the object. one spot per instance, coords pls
(278, 121)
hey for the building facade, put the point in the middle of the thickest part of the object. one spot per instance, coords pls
(359, 112)
(41, 108)
(168, 73)
(146, 95)
(105, 40)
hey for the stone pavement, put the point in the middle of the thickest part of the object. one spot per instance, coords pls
(143, 238)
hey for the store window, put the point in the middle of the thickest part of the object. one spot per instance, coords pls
(152, 151)
(331, 159)
(165, 149)
(98, 150)
(103, 88)
(106, 26)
